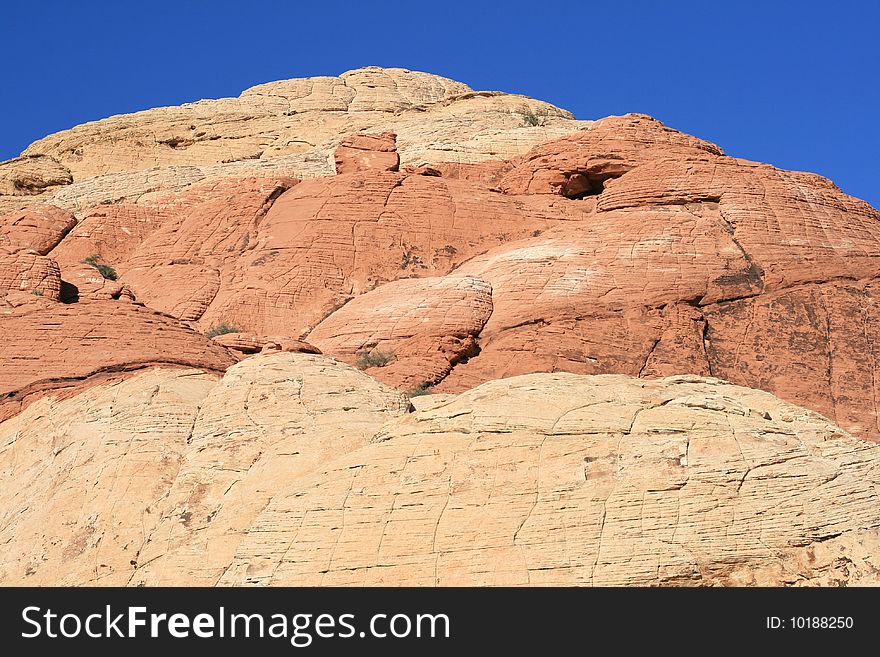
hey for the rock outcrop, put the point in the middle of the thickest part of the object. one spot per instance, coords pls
(421, 326)
(34, 175)
(38, 228)
(28, 272)
(220, 322)
(246, 344)
(286, 128)
(295, 469)
(366, 152)
(50, 348)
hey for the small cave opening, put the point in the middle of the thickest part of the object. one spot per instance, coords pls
(177, 143)
(582, 184)
(69, 293)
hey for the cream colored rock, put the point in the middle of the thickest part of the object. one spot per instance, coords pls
(569, 480)
(126, 186)
(32, 175)
(271, 420)
(159, 476)
(289, 127)
(85, 479)
(297, 470)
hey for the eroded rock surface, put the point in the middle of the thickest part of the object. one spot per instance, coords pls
(169, 281)
(621, 247)
(294, 469)
(39, 228)
(367, 152)
(562, 479)
(287, 128)
(78, 344)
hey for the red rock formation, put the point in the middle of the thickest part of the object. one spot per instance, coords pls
(171, 253)
(247, 344)
(365, 152)
(110, 231)
(38, 227)
(579, 165)
(26, 271)
(81, 343)
(416, 329)
(626, 247)
(330, 239)
(749, 248)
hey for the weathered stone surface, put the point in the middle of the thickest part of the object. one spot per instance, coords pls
(91, 474)
(197, 237)
(612, 250)
(297, 470)
(423, 326)
(38, 228)
(327, 240)
(193, 462)
(286, 128)
(85, 281)
(367, 152)
(560, 480)
(79, 341)
(675, 224)
(126, 186)
(814, 343)
(246, 343)
(32, 175)
(26, 271)
(467, 238)
(109, 231)
(271, 420)
(276, 344)
(580, 164)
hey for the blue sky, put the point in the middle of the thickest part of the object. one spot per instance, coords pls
(796, 84)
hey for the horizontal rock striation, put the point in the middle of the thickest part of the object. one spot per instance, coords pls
(294, 469)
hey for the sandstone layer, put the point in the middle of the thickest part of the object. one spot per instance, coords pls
(220, 322)
(50, 347)
(295, 469)
(288, 128)
(623, 247)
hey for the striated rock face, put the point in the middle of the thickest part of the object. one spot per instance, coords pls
(38, 228)
(82, 342)
(177, 254)
(425, 325)
(294, 469)
(194, 461)
(97, 465)
(288, 128)
(772, 265)
(365, 152)
(561, 479)
(247, 344)
(325, 241)
(579, 165)
(28, 272)
(31, 176)
(214, 317)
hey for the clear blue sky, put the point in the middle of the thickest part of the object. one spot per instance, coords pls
(796, 84)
